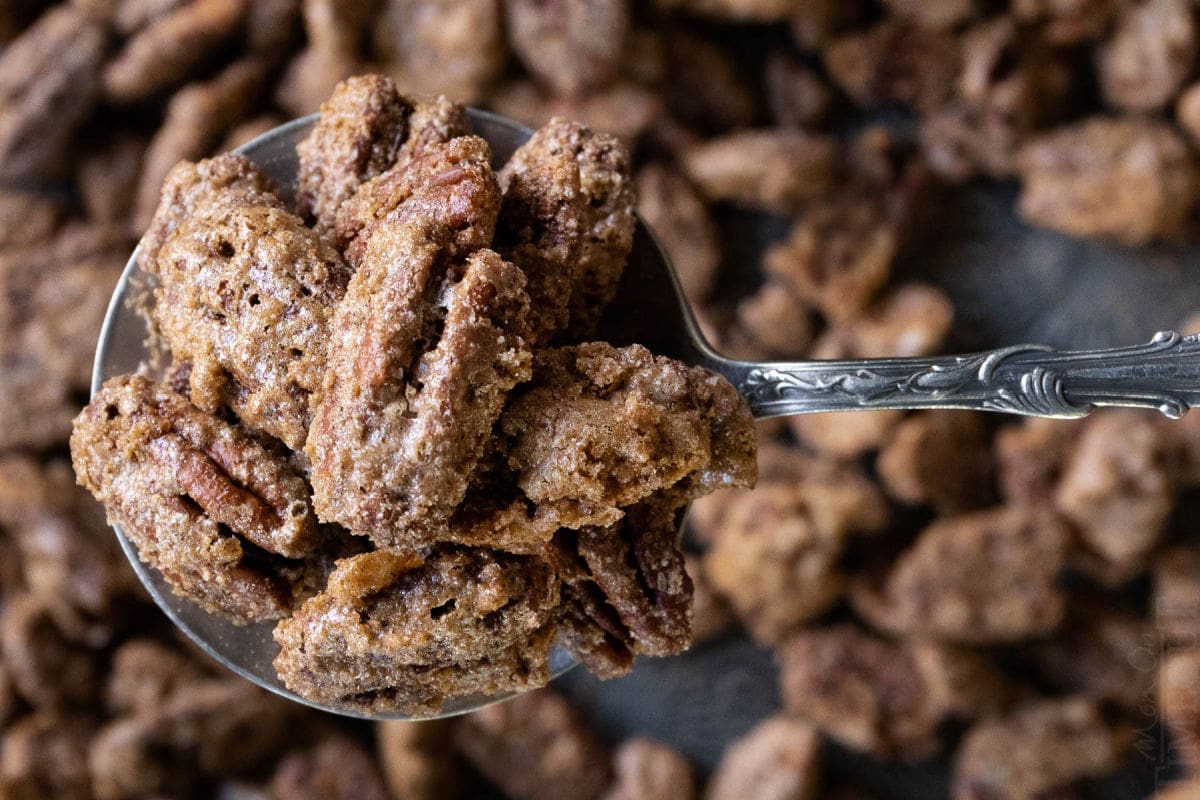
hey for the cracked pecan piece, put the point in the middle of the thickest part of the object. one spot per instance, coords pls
(247, 294)
(402, 632)
(203, 502)
(602, 427)
(568, 207)
(366, 128)
(424, 348)
(630, 582)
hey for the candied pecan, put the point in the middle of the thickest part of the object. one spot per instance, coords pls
(418, 374)
(362, 129)
(776, 320)
(775, 564)
(913, 319)
(1117, 487)
(589, 237)
(981, 578)
(1099, 653)
(68, 555)
(198, 115)
(777, 169)
(53, 297)
(145, 674)
(48, 86)
(203, 501)
(815, 22)
(1144, 62)
(1038, 750)
(601, 427)
(194, 189)
(648, 770)
(28, 217)
(246, 294)
(938, 458)
(839, 497)
(392, 632)
(1005, 89)
(635, 568)
(894, 62)
(673, 210)
(845, 434)
(44, 755)
(129, 16)
(448, 46)
(1179, 704)
(624, 109)
(210, 725)
(48, 666)
(1176, 595)
(571, 46)
(872, 695)
(415, 758)
(1030, 456)
(837, 255)
(534, 747)
(1129, 179)
(702, 87)
(170, 48)
(797, 97)
(107, 179)
(778, 759)
(336, 768)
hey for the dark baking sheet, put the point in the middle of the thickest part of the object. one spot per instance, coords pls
(1010, 283)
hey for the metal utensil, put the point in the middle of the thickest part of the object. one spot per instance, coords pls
(650, 309)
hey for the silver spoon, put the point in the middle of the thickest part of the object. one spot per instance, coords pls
(650, 309)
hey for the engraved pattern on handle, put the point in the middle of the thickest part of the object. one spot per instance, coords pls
(1032, 380)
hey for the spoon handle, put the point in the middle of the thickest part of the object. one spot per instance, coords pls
(1024, 379)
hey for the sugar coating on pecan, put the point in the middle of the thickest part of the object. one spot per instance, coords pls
(538, 178)
(402, 632)
(366, 129)
(418, 374)
(602, 427)
(193, 188)
(206, 504)
(246, 294)
(362, 127)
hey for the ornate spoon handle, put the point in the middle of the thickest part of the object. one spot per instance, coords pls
(1024, 379)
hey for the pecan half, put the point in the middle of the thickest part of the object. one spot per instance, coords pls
(203, 502)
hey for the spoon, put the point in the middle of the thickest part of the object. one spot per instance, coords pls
(650, 309)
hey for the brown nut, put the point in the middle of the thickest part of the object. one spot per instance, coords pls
(204, 503)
